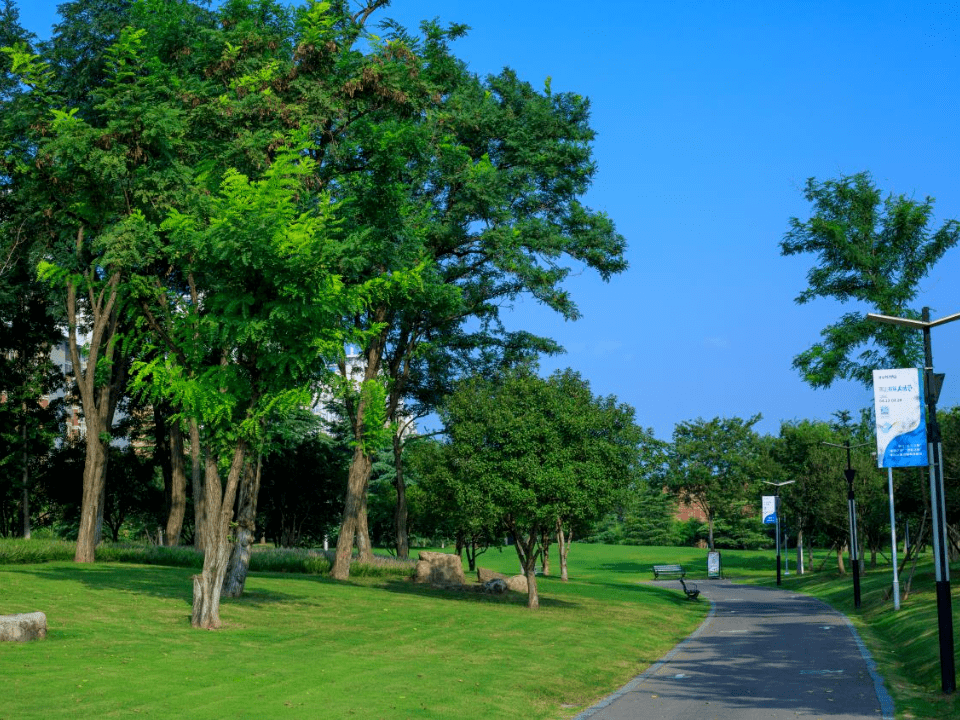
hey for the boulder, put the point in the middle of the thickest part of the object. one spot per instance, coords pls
(517, 583)
(440, 569)
(484, 575)
(23, 627)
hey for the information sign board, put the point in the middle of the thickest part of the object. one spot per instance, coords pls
(714, 567)
(901, 424)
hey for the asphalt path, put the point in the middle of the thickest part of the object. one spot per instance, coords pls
(761, 653)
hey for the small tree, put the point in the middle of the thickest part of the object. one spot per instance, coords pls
(537, 453)
(246, 341)
(448, 506)
(714, 465)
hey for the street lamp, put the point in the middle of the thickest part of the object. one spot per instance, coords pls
(932, 382)
(852, 513)
(778, 486)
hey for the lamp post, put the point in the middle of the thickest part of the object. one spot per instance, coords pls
(932, 382)
(850, 473)
(778, 486)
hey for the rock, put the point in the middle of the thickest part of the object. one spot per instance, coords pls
(496, 586)
(23, 627)
(483, 575)
(517, 583)
(440, 569)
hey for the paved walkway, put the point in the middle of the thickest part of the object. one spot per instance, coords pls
(761, 653)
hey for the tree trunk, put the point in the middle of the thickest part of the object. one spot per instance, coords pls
(354, 523)
(216, 553)
(563, 548)
(169, 455)
(356, 493)
(364, 546)
(199, 493)
(25, 504)
(710, 531)
(239, 564)
(94, 476)
(178, 487)
(471, 548)
(526, 546)
(533, 597)
(800, 552)
(400, 517)
(545, 554)
(840, 567)
(99, 401)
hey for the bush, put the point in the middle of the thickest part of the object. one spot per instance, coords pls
(21, 552)
(262, 559)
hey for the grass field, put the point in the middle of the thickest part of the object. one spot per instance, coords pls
(303, 646)
(299, 646)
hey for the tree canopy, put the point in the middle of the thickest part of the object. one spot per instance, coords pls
(715, 465)
(532, 453)
(872, 250)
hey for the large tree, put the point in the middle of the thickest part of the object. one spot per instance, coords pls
(248, 339)
(872, 250)
(482, 188)
(536, 453)
(88, 179)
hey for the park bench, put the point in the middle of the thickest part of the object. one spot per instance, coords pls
(659, 570)
(692, 592)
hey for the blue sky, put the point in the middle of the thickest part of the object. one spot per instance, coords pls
(710, 116)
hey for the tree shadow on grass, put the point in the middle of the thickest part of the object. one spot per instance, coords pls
(470, 594)
(170, 583)
(630, 567)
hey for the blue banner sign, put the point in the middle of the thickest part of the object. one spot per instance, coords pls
(901, 423)
(769, 509)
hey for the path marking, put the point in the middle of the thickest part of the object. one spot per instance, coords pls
(821, 672)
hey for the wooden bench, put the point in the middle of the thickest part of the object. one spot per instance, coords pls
(692, 592)
(659, 570)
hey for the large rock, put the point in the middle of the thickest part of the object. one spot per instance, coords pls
(440, 569)
(484, 575)
(517, 583)
(23, 627)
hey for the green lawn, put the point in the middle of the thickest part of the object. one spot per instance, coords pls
(302, 646)
(299, 646)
